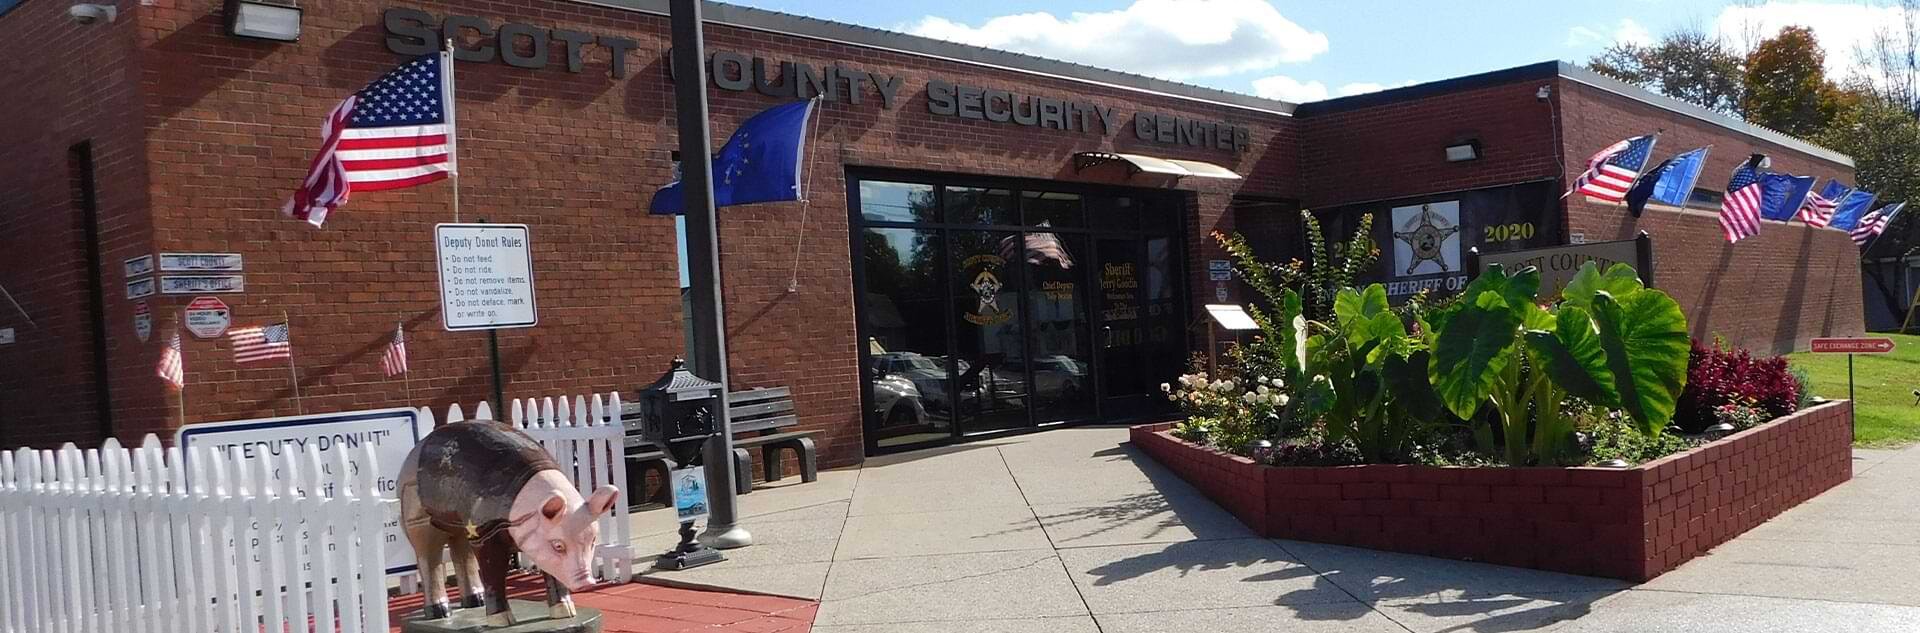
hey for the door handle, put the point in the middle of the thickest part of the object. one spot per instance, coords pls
(1106, 336)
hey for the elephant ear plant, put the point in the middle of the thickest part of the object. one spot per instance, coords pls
(1610, 341)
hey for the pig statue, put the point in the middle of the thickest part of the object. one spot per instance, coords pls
(485, 490)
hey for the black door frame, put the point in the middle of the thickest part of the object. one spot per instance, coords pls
(1176, 202)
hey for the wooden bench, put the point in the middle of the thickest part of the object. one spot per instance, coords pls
(758, 415)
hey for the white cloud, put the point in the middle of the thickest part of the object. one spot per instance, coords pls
(1366, 87)
(1172, 39)
(1626, 31)
(1287, 88)
(1630, 32)
(1843, 28)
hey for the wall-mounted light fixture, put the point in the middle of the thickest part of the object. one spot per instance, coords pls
(1460, 152)
(277, 20)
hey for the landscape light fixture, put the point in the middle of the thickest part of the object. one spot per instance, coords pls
(261, 20)
(1462, 152)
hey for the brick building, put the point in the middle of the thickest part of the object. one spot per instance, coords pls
(896, 301)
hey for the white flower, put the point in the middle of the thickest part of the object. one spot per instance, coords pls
(1166, 388)
(1264, 390)
(1279, 399)
(1231, 385)
(1250, 398)
(1278, 384)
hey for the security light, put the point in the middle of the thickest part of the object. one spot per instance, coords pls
(1469, 150)
(258, 19)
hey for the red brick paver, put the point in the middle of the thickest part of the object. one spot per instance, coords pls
(640, 608)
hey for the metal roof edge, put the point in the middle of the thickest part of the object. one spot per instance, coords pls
(868, 37)
(1539, 72)
(1594, 79)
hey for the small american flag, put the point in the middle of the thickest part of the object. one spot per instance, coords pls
(258, 343)
(395, 360)
(396, 133)
(1740, 210)
(172, 366)
(1611, 172)
(1875, 223)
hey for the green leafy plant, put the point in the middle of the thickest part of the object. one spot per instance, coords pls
(1610, 341)
(1619, 438)
(1359, 375)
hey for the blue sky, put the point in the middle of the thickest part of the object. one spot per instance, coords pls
(1303, 51)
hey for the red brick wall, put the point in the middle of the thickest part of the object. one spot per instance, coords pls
(231, 126)
(1768, 293)
(68, 84)
(1397, 149)
(1634, 523)
(1696, 500)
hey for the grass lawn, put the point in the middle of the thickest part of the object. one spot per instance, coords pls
(1885, 414)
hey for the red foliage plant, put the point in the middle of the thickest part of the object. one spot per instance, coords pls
(1718, 376)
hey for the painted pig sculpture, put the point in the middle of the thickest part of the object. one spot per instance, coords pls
(484, 488)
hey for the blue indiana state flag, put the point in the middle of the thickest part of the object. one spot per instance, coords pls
(761, 162)
(1852, 207)
(1671, 182)
(1783, 194)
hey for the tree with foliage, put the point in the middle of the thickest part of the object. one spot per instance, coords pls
(1787, 87)
(1686, 64)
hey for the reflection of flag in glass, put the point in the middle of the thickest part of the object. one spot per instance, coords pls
(1041, 248)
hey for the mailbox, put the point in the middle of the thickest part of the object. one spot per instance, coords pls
(678, 414)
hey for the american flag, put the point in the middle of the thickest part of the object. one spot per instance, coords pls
(1040, 248)
(258, 343)
(172, 366)
(1611, 172)
(1875, 223)
(1818, 208)
(395, 360)
(1740, 210)
(396, 133)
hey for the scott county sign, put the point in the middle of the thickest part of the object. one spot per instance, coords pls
(1558, 264)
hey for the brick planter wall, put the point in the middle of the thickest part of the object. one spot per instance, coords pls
(1633, 524)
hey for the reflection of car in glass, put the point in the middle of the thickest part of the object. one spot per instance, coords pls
(991, 386)
(1055, 376)
(927, 375)
(897, 401)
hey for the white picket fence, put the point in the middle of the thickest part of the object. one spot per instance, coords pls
(586, 438)
(171, 541)
(154, 539)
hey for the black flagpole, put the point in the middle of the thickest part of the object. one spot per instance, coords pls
(703, 260)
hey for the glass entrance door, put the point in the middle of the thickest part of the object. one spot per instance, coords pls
(1122, 323)
(999, 305)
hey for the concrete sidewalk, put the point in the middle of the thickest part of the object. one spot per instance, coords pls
(1074, 531)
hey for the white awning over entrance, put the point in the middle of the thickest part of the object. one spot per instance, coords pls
(1137, 163)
